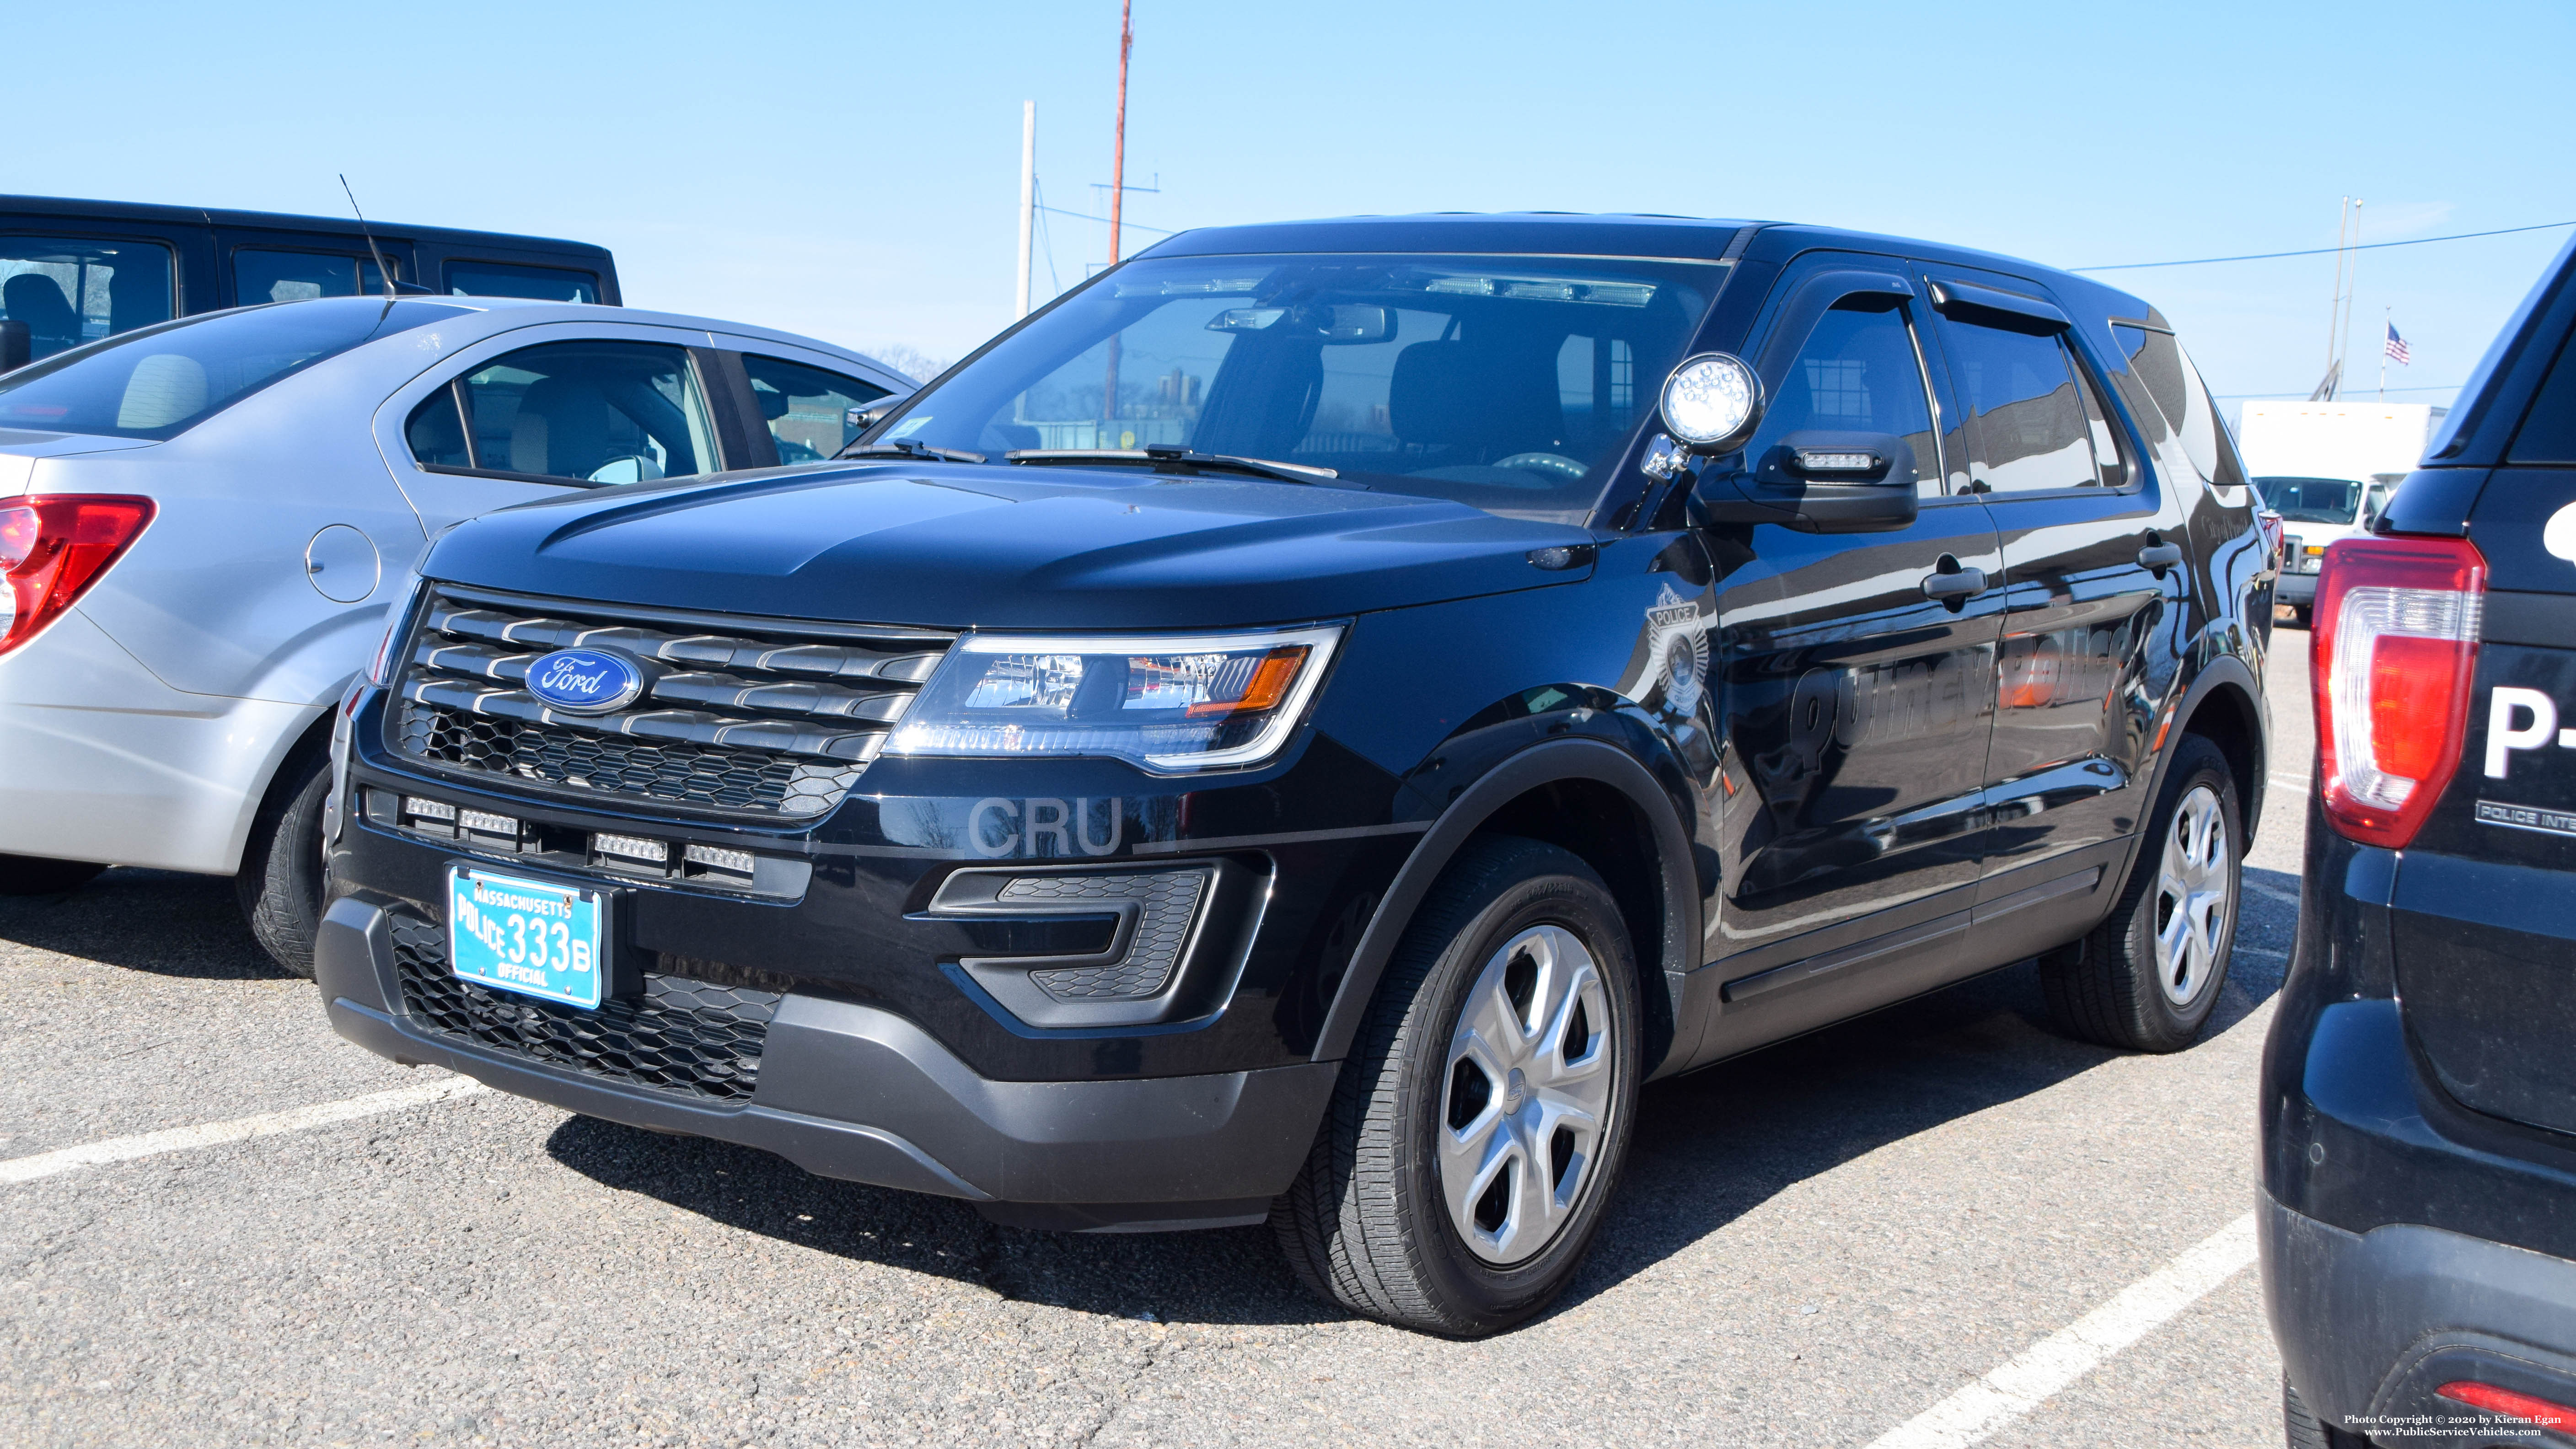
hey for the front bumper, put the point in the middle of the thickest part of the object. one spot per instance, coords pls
(2293, 588)
(850, 1091)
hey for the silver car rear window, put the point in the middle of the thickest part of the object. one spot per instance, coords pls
(158, 382)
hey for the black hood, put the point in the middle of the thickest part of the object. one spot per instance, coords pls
(954, 545)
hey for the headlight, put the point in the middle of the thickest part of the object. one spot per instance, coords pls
(1170, 704)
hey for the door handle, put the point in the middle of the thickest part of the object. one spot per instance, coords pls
(1953, 586)
(2160, 556)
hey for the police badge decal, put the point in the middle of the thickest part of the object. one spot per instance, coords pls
(1676, 650)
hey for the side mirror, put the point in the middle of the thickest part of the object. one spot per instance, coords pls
(17, 345)
(1817, 482)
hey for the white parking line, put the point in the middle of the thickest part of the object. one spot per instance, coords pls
(2287, 898)
(267, 1124)
(2299, 780)
(1974, 1413)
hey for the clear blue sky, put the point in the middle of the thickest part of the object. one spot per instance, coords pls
(852, 172)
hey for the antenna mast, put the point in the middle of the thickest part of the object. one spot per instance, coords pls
(384, 273)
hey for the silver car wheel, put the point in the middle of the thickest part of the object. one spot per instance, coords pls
(2195, 884)
(1526, 1094)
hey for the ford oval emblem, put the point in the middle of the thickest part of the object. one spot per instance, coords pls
(585, 681)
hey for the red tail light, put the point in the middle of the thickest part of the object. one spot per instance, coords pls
(53, 549)
(2396, 643)
(2539, 1411)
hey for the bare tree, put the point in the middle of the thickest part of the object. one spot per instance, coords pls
(909, 360)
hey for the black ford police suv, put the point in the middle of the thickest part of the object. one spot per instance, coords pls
(2419, 1090)
(1302, 727)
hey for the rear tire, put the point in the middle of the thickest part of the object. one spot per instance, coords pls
(1466, 1159)
(33, 875)
(2147, 978)
(2304, 1430)
(280, 884)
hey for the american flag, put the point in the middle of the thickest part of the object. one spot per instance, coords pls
(2396, 346)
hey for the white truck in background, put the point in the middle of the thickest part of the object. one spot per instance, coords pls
(2327, 468)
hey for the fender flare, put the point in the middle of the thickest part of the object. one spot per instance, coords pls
(2223, 671)
(2220, 672)
(1546, 763)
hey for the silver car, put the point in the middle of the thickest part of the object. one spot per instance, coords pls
(203, 524)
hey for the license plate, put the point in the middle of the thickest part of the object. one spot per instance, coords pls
(527, 936)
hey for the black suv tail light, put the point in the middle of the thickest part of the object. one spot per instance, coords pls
(2394, 648)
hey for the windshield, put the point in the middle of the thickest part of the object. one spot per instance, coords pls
(2313, 500)
(161, 381)
(1504, 382)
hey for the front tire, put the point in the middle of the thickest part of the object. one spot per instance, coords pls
(280, 883)
(1477, 1131)
(32, 875)
(2147, 978)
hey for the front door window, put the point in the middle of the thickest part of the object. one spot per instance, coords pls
(809, 411)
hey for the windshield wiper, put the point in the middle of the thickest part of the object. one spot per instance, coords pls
(910, 448)
(1172, 458)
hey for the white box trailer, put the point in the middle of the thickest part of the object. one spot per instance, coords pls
(2328, 468)
(2334, 439)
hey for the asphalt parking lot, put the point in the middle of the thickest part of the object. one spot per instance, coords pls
(1826, 1243)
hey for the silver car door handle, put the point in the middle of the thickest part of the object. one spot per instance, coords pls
(2160, 556)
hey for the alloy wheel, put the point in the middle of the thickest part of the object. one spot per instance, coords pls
(2194, 885)
(1526, 1095)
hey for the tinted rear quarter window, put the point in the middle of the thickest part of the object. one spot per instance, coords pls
(2164, 372)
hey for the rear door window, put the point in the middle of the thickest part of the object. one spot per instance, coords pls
(2036, 427)
(71, 290)
(543, 284)
(573, 412)
(810, 411)
(262, 275)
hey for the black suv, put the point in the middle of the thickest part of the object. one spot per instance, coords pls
(76, 271)
(1302, 727)
(2419, 1086)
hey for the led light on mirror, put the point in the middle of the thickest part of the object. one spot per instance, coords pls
(1711, 399)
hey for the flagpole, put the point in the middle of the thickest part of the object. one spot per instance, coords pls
(2334, 299)
(2351, 282)
(1028, 196)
